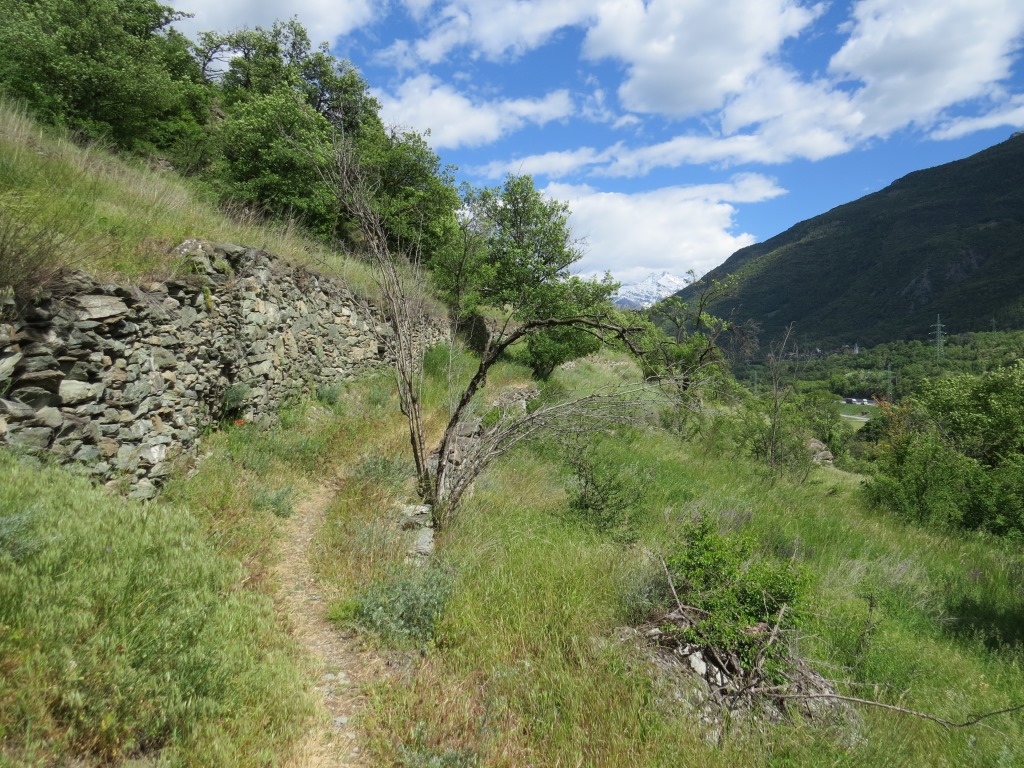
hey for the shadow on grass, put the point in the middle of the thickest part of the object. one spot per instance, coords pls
(997, 626)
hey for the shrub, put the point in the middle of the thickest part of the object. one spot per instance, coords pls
(233, 399)
(548, 349)
(277, 501)
(383, 470)
(608, 495)
(330, 394)
(734, 592)
(403, 608)
(937, 465)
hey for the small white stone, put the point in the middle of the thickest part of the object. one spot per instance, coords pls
(697, 664)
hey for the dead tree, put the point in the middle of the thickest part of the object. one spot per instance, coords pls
(467, 447)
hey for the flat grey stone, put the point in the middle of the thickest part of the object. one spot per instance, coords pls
(49, 417)
(8, 364)
(99, 307)
(73, 392)
(30, 438)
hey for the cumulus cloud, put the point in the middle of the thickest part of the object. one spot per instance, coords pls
(1010, 115)
(671, 229)
(325, 19)
(687, 57)
(491, 28)
(904, 63)
(917, 58)
(552, 165)
(454, 120)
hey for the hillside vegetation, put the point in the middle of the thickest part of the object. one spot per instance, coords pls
(946, 241)
(579, 565)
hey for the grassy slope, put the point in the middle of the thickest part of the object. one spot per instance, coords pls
(945, 240)
(148, 631)
(118, 218)
(525, 667)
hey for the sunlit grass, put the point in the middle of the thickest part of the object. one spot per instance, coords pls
(124, 219)
(527, 665)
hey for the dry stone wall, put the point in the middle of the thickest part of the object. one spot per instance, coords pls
(119, 380)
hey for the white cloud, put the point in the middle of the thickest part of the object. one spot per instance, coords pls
(454, 120)
(553, 165)
(686, 57)
(917, 58)
(904, 63)
(673, 228)
(492, 28)
(324, 19)
(1011, 115)
(417, 8)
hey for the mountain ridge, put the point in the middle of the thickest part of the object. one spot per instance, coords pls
(649, 291)
(946, 241)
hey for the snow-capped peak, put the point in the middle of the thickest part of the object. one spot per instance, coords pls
(648, 291)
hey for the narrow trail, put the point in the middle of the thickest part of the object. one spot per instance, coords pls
(341, 668)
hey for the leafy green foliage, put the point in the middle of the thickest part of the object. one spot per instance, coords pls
(549, 348)
(953, 455)
(109, 69)
(272, 146)
(739, 596)
(414, 194)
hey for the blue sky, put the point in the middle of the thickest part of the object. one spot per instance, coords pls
(679, 130)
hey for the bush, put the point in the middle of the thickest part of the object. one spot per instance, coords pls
(608, 495)
(938, 465)
(777, 436)
(734, 591)
(549, 348)
(277, 501)
(403, 608)
(383, 470)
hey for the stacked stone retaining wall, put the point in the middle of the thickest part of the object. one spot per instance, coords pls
(119, 380)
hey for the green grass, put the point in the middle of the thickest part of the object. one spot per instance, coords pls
(118, 218)
(516, 655)
(859, 410)
(124, 632)
(527, 665)
(148, 631)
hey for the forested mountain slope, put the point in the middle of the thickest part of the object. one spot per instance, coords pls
(944, 241)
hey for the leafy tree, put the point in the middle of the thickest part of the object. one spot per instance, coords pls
(260, 61)
(414, 194)
(982, 416)
(952, 454)
(109, 69)
(525, 286)
(273, 147)
(549, 348)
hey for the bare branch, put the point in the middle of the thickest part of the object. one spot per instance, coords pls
(949, 724)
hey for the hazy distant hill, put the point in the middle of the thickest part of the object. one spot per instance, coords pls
(944, 241)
